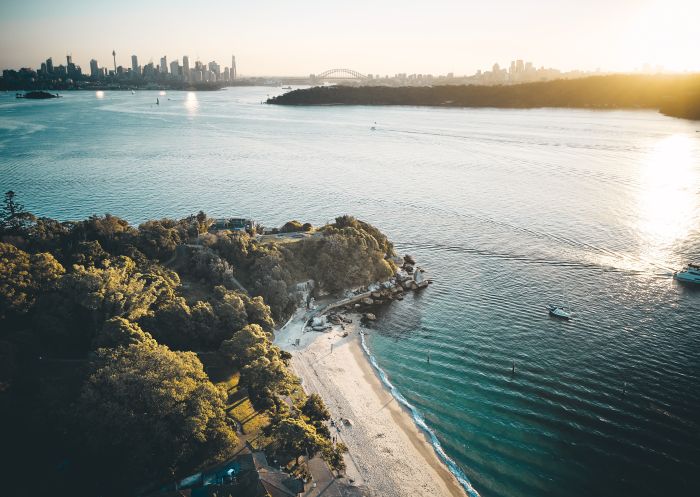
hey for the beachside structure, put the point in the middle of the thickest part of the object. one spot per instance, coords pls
(230, 224)
(246, 475)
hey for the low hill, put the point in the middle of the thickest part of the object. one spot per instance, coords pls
(677, 96)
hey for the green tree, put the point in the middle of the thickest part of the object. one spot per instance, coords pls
(297, 437)
(119, 332)
(119, 289)
(246, 345)
(333, 455)
(158, 239)
(13, 217)
(150, 413)
(264, 377)
(315, 409)
(23, 277)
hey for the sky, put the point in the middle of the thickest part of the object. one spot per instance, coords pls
(283, 37)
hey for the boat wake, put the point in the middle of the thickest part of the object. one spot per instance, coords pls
(420, 422)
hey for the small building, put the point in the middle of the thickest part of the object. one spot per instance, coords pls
(231, 224)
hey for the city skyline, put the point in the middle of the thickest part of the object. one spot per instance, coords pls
(277, 38)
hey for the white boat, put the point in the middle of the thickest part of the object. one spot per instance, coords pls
(689, 274)
(559, 312)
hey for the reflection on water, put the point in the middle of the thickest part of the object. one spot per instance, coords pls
(668, 195)
(191, 103)
(100, 94)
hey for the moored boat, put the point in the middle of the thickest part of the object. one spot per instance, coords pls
(559, 312)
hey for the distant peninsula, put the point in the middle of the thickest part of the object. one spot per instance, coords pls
(676, 96)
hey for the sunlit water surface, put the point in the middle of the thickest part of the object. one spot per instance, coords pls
(508, 209)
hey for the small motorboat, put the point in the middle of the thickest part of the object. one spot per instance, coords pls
(559, 312)
(373, 128)
(689, 274)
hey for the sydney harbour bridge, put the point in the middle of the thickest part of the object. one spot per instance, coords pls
(330, 76)
(338, 74)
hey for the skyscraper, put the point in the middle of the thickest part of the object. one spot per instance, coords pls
(186, 67)
(174, 69)
(94, 70)
(134, 65)
(215, 68)
(233, 73)
(49, 65)
(114, 57)
(164, 64)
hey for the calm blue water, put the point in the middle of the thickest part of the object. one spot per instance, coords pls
(509, 210)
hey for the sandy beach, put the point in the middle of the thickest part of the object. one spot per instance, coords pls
(388, 454)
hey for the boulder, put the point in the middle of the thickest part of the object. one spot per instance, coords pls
(408, 259)
(367, 301)
(370, 317)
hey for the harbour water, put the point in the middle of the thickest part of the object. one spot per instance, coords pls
(508, 209)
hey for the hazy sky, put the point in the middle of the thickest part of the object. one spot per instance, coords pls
(273, 37)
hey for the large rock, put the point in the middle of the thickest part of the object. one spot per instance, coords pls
(370, 317)
(367, 301)
(408, 259)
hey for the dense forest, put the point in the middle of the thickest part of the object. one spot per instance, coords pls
(108, 333)
(677, 96)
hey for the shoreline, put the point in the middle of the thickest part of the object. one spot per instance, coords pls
(389, 452)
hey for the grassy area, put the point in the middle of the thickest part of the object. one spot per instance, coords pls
(238, 405)
(241, 409)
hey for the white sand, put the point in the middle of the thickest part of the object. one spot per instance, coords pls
(387, 452)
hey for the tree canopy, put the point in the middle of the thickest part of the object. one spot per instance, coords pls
(154, 411)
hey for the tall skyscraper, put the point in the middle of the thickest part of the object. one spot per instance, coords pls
(49, 65)
(134, 65)
(186, 67)
(233, 73)
(164, 64)
(215, 68)
(69, 60)
(114, 58)
(94, 70)
(174, 69)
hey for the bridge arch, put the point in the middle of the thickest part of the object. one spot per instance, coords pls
(340, 74)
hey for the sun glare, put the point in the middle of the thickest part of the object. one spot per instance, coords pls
(665, 34)
(191, 103)
(668, 194)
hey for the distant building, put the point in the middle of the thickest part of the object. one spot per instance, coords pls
(49, 65)
(174, 69)
(135, 65)
(230, 224)
(94, 70)
(186, 67)
(164, 65)
(215, 68)
(234, 72)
